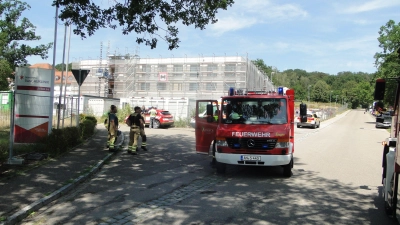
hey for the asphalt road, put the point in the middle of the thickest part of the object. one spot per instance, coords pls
(336, 180)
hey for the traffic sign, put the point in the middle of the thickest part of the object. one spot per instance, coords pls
(80, 75)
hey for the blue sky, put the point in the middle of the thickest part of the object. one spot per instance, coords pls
(313, 35)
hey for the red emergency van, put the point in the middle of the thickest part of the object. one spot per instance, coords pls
(252, 128)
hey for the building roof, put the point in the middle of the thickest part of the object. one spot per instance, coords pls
(42, 66)
(69, 76)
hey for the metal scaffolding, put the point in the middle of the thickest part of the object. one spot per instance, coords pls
(125, 76)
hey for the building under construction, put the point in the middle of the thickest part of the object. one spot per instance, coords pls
(194, 78)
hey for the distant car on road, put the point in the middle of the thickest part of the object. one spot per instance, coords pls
(163, 119)
(312, 121)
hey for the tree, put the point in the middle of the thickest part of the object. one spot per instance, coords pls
(388, 61)
(262, 66)
(5, 72)
(13, 29)
(142, 17)
(364, 93)
(321, 91)
(61, 67)
(349, 92)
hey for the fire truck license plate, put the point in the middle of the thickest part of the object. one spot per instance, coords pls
(250, 157)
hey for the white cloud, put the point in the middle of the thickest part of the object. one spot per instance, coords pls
(231, 24)
(245, 14)
(370, 6)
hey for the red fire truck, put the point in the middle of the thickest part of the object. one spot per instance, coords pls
(391, 156)
(248, 128)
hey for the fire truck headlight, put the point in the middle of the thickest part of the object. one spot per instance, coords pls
(282, 145)
(222, 143)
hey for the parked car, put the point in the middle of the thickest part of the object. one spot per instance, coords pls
(383, 122)
(312, 121)
(163, 119)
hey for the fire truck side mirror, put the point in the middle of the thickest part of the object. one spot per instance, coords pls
(379, 93)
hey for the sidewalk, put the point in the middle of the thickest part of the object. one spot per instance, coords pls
(26, 193)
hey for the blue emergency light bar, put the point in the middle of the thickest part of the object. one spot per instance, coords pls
(231, 91)
(280, 90)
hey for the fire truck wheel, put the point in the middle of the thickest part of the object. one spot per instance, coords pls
(388, 209)
(298, 126)
(221, 167)
(287, 169)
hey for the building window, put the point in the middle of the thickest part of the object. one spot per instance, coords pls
(177, 86)
(212, 68)
(144, 86)
(162, 68)
(162, 86)
(194, 68)
(154, 68)
(146, 68)
(195, 74)
(240, 68)
(229, 74)
(193, 86)
(230, 67)
(211, 86)
(211, 74)
(178, 68)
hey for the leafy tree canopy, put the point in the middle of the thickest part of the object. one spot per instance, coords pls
(5, 72)
(388, 60)
(14, 29)
(141, 17)
(321, 92)
(62, 66)
(353, 88)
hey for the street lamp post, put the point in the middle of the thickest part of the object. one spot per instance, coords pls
(330, 102)
(309, 94)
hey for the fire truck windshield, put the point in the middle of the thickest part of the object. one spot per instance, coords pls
(254, 111)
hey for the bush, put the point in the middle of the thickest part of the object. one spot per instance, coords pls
(182, 122)
(54, 144)
(86, 126)
(71, 135)
(124, 112)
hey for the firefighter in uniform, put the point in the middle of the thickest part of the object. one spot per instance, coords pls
(137, 124)
(112, 127)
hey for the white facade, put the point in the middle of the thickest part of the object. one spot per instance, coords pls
(131, 77)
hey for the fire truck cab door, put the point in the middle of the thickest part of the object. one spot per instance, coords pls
(205, 125)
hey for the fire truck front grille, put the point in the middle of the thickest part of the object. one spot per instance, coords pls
(250, 143)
